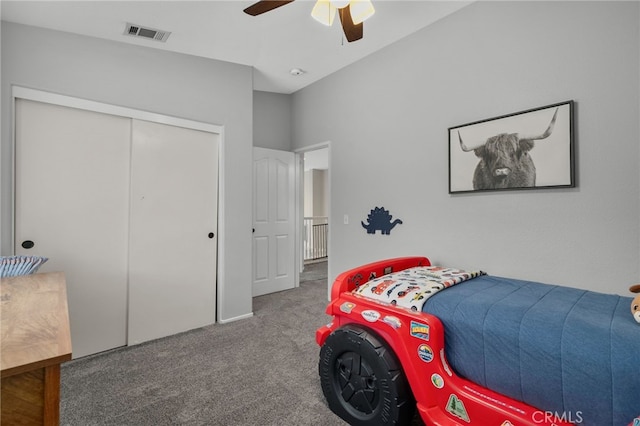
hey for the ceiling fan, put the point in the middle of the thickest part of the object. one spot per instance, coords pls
(352, 13)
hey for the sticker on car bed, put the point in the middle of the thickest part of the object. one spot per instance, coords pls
(506, 423)
(392, 321)
(356, 280)
(455, 406)
(636, 421)
(347, 307)
(425, 353)
(437, 380)
(371, 316)
(419, 330)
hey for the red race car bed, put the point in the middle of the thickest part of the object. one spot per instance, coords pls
(467, 348)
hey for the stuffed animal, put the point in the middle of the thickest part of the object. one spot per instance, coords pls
(635, 303)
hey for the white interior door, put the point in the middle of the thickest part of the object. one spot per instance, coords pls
(274, 221)
(71, 201)
(172, 260)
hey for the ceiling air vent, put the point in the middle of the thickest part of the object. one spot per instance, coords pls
(148, 33)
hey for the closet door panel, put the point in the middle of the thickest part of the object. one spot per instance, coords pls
(71, 201)
(173, 230)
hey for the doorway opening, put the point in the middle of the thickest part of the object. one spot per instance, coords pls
(315, 213)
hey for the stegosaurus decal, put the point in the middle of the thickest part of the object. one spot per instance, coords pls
(380, 219)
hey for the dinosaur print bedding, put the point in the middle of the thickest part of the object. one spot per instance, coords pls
(410, 288)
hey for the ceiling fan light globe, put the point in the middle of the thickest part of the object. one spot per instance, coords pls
(324, 12)
(361, 10)
(339, 4)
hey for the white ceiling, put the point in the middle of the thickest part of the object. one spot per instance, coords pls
(273, 43)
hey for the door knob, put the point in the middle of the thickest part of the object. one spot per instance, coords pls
(27, 244)
(211, 235)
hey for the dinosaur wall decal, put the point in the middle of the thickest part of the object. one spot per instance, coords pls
(380, 219)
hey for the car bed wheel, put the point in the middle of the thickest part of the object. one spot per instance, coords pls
(362, 379)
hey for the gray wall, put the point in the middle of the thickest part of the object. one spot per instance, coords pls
(316, 193)
(389, 142)
(272, 120)
(151, 80)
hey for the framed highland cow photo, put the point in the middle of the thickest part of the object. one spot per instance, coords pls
(530, 149)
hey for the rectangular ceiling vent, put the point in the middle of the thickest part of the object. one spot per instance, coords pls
(148, 33)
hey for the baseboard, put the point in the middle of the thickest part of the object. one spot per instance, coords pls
(241, 317)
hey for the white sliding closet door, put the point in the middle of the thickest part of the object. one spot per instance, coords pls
(72, 203)
(127, 209)
(173, 230)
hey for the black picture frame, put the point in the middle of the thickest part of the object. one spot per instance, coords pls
(530, 149)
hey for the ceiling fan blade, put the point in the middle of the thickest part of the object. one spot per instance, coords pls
(265, 6)
(352, 31)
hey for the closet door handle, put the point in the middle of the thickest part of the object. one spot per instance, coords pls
(27, 244)
(211, 235)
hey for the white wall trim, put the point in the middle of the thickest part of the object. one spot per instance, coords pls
(238, 318)
(298, 258)
(314, 147)
(222, 234)
(85, 104)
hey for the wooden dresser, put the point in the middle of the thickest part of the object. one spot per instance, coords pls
(35, 340)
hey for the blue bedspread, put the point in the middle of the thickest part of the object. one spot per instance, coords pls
(560, 349)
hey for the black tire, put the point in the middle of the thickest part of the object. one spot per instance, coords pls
(362, 379)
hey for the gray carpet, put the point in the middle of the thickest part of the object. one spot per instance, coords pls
(259, 371)
(314, 271)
